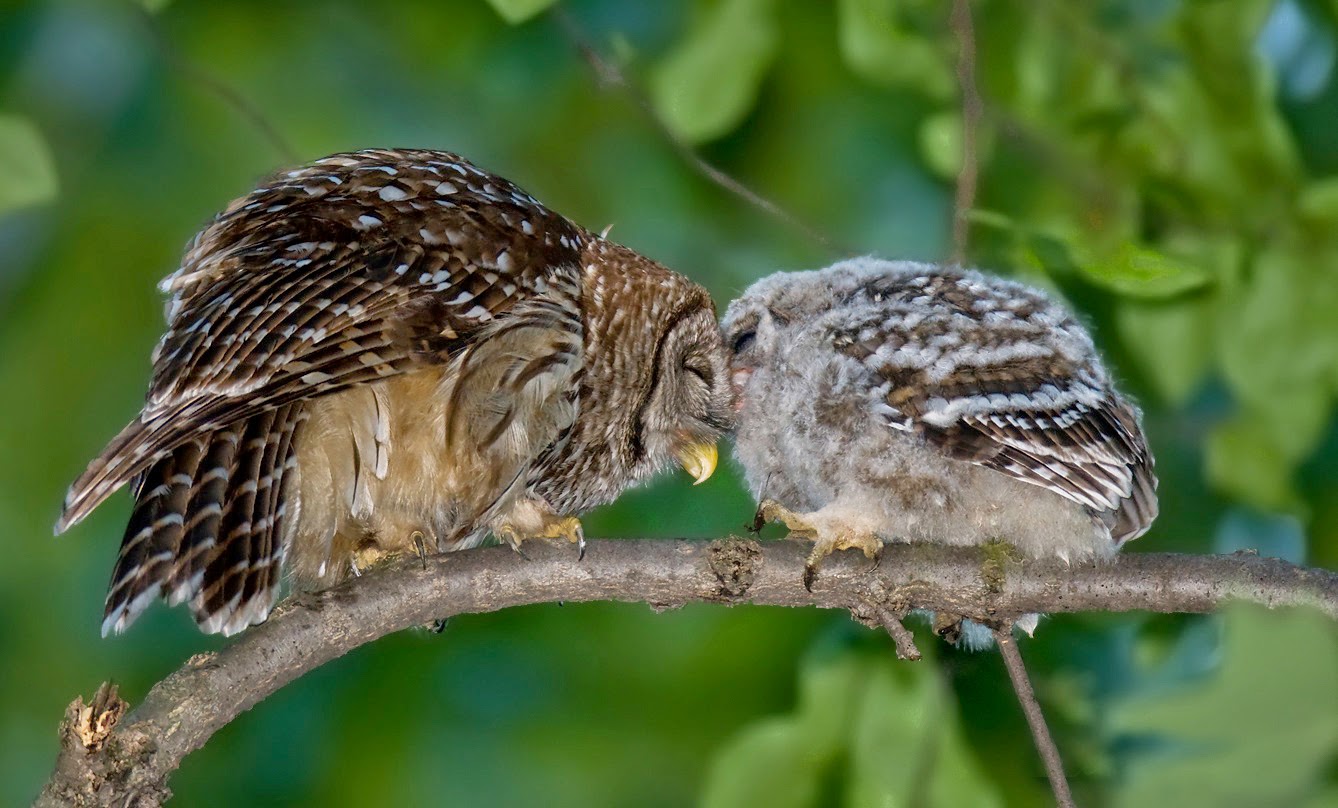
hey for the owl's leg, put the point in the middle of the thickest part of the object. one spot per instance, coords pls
(533, 519)
(829, 530)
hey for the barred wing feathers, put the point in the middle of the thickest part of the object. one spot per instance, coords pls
(355, 268)
(995, 374)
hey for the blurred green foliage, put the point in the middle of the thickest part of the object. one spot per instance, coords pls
(1169, 166)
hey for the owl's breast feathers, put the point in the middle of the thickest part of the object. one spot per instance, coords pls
(995, 374)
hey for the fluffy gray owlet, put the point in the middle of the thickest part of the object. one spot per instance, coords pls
(897, 401)
(388, 352)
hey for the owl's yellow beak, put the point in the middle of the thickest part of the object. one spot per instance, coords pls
(698, 459)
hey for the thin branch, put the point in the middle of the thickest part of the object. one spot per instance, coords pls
(135, 754)
(229, 95)
(1040, 733)
(901, 636)
(609, 76)
(969, 174)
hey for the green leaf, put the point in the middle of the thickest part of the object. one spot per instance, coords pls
(992, 218)
(1319, 200)
(940, 138)
(771, 763)
(1244, 462)
(894, 722)
(1172, 342)
(515, 11)
(27, 172)
(781, 761)
(705, 87)
(876, 46)
(1256, 733)
(891, 739)
(1137, 271)
(154, 6)
(907, 738)
(1278, 342)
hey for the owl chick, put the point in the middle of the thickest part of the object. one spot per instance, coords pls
(896, 401)
(387, 352)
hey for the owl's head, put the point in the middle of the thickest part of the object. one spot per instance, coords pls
(657, 373)
(754, 325)
(690, 401)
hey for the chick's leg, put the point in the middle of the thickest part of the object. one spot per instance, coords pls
(830, 528)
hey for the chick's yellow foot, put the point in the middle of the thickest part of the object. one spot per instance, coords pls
(769, 510)
(552, 527)
(840, 539)
(828, 532)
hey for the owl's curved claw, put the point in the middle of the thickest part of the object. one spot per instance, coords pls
(553, 527)
(419, 542)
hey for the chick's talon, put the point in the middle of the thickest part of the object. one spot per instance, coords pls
(823, 546)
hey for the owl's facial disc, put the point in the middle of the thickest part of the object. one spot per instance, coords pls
(691, 401)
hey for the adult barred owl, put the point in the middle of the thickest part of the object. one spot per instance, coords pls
(896, 401)
(386, 352)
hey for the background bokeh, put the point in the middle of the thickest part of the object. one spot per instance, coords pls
(1169, 166)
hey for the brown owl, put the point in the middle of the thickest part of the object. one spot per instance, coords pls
(896, 401)
(387, 352)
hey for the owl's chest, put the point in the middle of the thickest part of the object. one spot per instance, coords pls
(808, 422)
(378, 460)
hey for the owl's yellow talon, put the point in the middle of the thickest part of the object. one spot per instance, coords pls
(554, 527)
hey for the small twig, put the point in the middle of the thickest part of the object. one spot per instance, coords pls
(1040, 733)
(968, 175)
(901, 636)
(608, 76)
(226, 93)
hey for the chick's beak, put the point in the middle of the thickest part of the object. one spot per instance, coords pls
(698, 459)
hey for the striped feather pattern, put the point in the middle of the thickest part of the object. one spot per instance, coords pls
(305, 286)
(985, 370)
(994, 373)
(206, 527)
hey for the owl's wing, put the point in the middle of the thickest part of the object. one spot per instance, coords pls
(355, 268)
(513, 396)
(1030, 413)
(1093, 454)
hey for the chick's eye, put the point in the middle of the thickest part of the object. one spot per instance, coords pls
(743, 341)
(700, 373)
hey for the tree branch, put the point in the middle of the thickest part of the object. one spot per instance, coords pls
(1031, 708)
(108, 759)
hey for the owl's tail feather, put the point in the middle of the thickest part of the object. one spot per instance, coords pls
(207, 527)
